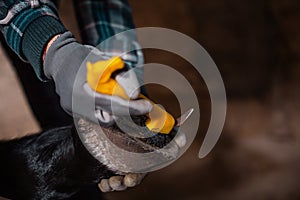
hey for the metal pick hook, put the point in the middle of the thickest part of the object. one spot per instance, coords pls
(180, 120)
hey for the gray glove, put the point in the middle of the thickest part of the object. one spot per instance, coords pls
(65, 63)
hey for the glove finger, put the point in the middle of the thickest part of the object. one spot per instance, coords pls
(104, 186)
(116, 183)
(83, 105)
(180, 139)
(140, 107)
(129, 82)
(104, 117)
(133, 179)
(120, 106)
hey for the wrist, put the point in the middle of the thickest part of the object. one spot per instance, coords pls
(63, 55)
(49, 45)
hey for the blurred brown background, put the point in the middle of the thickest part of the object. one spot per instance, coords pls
(256, 45)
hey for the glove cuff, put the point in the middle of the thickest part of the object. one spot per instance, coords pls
(35, 39)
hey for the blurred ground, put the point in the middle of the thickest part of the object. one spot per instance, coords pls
(256, 45)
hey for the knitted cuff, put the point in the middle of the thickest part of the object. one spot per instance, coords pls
(27, 29)
(35, 39)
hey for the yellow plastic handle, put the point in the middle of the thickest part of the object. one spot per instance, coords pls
(99, 78)
(159, 120)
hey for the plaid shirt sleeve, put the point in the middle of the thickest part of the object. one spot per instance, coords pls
(100, 19)
(27, 26)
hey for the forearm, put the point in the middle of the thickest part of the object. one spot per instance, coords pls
(28, 29)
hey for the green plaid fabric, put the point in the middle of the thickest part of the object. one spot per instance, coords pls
(101, 19)
(27, 27)
(28, 24)
(18, 15)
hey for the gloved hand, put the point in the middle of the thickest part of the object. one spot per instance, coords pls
(65, 62)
